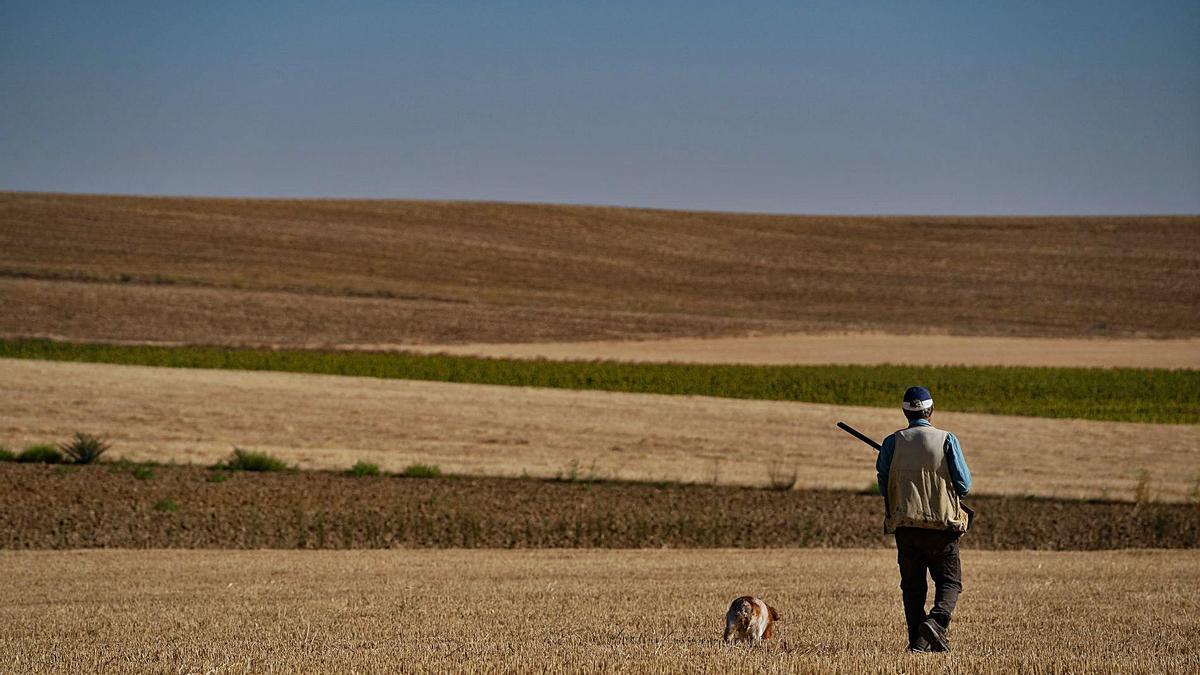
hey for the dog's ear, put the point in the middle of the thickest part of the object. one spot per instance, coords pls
(774, 613)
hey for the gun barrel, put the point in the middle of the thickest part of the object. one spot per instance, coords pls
(859, 435)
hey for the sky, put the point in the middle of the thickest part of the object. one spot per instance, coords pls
(956, 107)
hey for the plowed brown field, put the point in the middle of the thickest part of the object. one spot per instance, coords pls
(321, 421)
(585, 611)
(183, 507)
(233, 271)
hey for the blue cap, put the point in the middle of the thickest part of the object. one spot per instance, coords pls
(917, 399)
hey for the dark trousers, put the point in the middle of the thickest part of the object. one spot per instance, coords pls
(920, 551)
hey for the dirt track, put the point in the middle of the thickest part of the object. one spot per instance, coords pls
(856, 348)
(331, 422)
(238, 271)
(581, 611)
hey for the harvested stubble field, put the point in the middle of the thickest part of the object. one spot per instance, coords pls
(191, 507)
(851, 348)
(329, 422)
(588, 611)
(325, 272)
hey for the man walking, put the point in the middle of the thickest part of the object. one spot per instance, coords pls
(922, 475)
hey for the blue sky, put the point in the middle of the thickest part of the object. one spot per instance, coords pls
(839, 107)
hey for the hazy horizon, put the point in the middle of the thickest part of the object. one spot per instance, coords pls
(847, 214)
(932, 108)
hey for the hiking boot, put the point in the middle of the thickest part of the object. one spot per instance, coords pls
(933, 633)
(919, 646)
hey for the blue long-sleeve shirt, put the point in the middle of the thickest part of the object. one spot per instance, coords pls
(960, 475)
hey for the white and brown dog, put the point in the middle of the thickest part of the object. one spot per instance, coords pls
(749, 620)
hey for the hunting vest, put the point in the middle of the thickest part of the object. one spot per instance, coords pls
(919, 490)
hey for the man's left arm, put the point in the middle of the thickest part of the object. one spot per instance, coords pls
(960, 475)
(883, 463)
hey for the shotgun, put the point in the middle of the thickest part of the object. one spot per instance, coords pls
(867, 439)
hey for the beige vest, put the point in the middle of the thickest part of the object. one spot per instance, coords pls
(920, 493)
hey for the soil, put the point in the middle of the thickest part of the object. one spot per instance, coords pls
(325, 272)
(47, 507)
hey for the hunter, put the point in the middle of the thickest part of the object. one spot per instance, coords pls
(922, 476)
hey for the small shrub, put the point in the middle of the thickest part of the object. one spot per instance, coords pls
(804, 531)
(40, 454)
(7, 455)
(779, 479)
(362, 468)
(570, 474)
(421, 471)
(576, 473)
(142, 472)
(1141, 491)
(249, 460)
(217, 477)
(166, 505)
(1160, 525)
(84, 448)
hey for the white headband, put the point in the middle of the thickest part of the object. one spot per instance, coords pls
(916, 406)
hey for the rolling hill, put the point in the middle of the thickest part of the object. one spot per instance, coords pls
(327, 272)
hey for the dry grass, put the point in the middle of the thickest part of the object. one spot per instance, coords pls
(332, 422)
(335, 272)
(856, 348)
(632, 611)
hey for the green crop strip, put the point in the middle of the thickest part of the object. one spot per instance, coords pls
(1119, 394)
